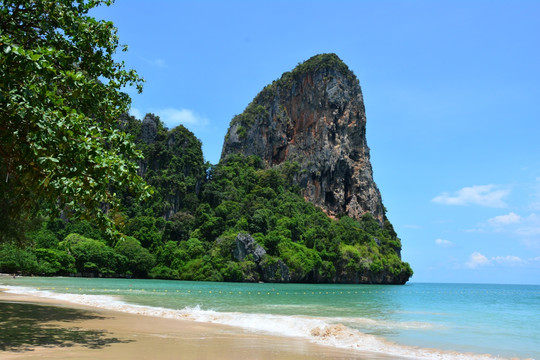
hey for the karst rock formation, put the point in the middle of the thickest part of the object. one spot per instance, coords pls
(313, 116)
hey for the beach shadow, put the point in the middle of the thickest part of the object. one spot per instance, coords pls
(25, 326)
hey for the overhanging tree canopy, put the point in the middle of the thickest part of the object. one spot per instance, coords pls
(60, 101)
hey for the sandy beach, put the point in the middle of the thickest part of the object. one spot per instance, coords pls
(41, 328)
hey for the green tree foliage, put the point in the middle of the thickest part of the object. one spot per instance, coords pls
(69, 152)
(299, 238)
(54, 261)
(139, 261)
(147, 229)
(92, 256)
(196, 240)
(173, 165)
(16, 260)
(60, 101)
(40, 261)
(326, 63)
(248, 117)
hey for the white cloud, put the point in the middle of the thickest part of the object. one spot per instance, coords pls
(525, 228)
(502, 220)
(444, 243)
(159, 63)
(535, 205)
(531, 242)
(136, 113)
(513, 223)
(477, 260)
(508, 260)
(173, 117)
(530, 226)
(483, 195)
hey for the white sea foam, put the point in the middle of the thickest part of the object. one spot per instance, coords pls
(318, 330)
(382, 324)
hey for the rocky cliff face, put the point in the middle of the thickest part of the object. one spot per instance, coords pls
(314, 116)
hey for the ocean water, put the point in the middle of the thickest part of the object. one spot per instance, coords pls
(416, 320)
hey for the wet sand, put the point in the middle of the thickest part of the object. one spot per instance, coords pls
(38, 328)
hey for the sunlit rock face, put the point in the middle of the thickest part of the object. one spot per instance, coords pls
(313, 116)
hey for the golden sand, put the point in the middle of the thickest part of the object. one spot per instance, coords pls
(38, 328)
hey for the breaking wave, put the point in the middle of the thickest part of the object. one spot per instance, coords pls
(325, 331)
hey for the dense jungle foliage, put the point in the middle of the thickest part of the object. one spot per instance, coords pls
(61, 94)
(189, 228)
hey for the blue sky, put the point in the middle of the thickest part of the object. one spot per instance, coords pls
(452, 94)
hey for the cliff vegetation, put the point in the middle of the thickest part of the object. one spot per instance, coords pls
(238, 220)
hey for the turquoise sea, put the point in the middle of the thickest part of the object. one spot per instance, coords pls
(417, 320)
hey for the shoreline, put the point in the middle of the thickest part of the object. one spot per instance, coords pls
(35, 327)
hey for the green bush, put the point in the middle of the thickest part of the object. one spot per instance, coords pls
(16, 260)
(188, 229)
(92, 255)
(139, 261)
(43, 238)
(54, 262)
(300, 259)
(163, 272)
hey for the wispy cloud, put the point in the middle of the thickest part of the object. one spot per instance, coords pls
(444, 243)
(159, 63)
(535, 205)
(173, 117)
(477, 260)
(136, 113)
(483, 195)
(525, 228)
(530, 226)
(503, 220)
(508, 260)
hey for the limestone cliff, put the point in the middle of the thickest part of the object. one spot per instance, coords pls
(314, 116)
